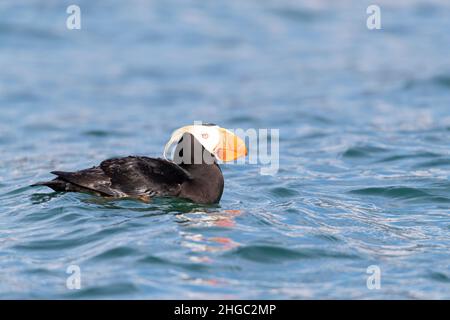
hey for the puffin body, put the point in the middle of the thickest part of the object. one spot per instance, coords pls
(193, 174)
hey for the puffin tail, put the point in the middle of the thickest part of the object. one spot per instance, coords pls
(55, 184)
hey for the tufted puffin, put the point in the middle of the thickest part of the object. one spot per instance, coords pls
(193, 174)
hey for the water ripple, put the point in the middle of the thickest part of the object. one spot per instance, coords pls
(363, 173)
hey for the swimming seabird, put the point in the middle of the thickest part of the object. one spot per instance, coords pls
(193, 174)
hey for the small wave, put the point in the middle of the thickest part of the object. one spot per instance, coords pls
(282, 192)
(296, 14)
(244, 119)
(150, 259)
(114, 253)
(408, 156)
(273, 254)
(17, 191)
(439, 276)
(103, 133)
(434, 163)
(442, 80)
(38, 198)
(28, 32)
(396, 192)
(71, 240)
(115, 289)
(41, 216)
(362, 151)
(51, 244)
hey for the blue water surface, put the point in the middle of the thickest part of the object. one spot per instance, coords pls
(364, 120)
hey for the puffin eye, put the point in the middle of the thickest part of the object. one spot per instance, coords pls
(205, 136)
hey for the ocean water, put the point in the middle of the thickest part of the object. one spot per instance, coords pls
(363, 179)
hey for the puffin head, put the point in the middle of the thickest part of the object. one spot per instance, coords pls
(220, 142)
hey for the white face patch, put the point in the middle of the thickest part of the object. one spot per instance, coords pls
(208, 136)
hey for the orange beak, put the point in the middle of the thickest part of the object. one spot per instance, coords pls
(230, 147)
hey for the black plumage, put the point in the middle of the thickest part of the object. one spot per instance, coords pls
(144, 178)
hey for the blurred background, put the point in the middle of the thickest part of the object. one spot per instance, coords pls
(364, 119)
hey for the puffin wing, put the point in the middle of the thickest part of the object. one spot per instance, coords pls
(129, 176)
(92, 179)
(137, 176)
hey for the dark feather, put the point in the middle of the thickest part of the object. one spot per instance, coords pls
(144, 177)
(137, 176)
(119, 177)
(93, 179)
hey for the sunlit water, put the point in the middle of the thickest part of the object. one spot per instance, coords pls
(364, 119)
